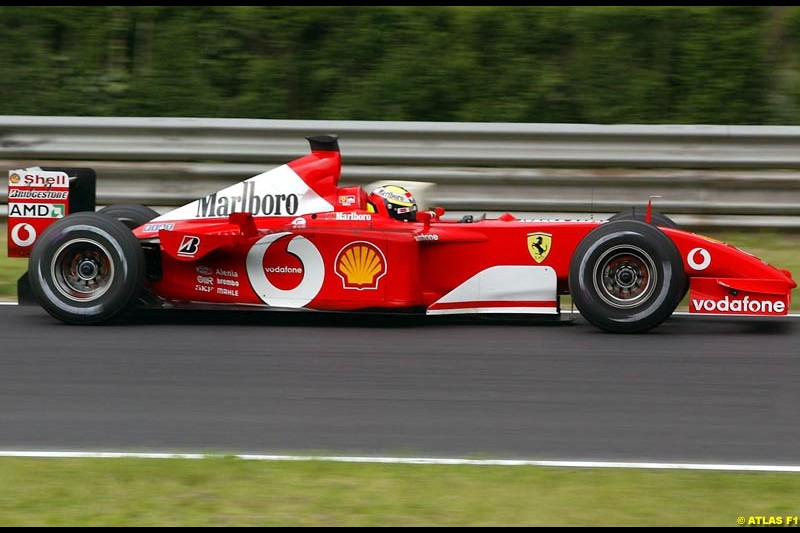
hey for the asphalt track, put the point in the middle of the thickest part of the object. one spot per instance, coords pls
(694, 390)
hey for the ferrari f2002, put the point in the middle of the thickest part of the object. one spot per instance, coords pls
(292, 238)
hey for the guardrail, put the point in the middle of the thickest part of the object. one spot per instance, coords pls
(705, 175)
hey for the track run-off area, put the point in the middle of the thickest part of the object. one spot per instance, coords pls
(696, 392)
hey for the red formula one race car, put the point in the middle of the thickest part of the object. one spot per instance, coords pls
(291, 238)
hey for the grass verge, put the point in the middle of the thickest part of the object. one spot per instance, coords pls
(234, 492)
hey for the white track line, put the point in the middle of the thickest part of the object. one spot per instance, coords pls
(406, 460)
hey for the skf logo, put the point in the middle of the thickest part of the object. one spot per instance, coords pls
(13, 179)
(539, 245)
(189, 246)
(361, 265)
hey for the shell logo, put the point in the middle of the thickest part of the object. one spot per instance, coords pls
(361, 265)
(14, 179)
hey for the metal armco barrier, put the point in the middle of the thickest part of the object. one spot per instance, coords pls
(745, 176)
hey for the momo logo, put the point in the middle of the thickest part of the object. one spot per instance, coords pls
(361, 265)
(189, 246)
(539, 245)
(150, 228)
(289, 273)
(14, 178)
(23, 234)
(738, 306)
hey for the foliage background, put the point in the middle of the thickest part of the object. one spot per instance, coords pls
(686, 64)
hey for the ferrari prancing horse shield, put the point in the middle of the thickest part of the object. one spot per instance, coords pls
(539, 245)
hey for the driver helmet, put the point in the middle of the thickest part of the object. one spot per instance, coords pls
(397, 201)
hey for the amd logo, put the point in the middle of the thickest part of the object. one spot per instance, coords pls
(28, 210)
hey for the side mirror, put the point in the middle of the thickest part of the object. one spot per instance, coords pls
(431, 214)
(425, 216)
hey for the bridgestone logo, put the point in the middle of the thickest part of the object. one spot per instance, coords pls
(248, 202)
(745, 306)
(283, 270)
(38, 195)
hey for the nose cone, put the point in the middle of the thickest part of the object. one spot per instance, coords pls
(789, 278)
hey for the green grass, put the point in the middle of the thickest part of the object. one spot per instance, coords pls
(233, 492)
(779, 249)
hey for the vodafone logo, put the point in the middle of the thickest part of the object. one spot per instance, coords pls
(698, 258)
(310, 273)
(738, 306)
(23, 234)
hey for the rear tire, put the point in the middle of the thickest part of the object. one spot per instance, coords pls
(132, 215)
(86, 268)
(626, 276)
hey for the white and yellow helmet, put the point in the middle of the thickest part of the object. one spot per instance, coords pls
(398, 202)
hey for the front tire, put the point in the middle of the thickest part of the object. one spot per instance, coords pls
(657, 218)
(626, 276)
(86, 268)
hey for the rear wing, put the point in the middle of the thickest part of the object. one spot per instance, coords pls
(38, 196)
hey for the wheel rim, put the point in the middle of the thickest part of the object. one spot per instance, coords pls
(82, 270)
(625, 276)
